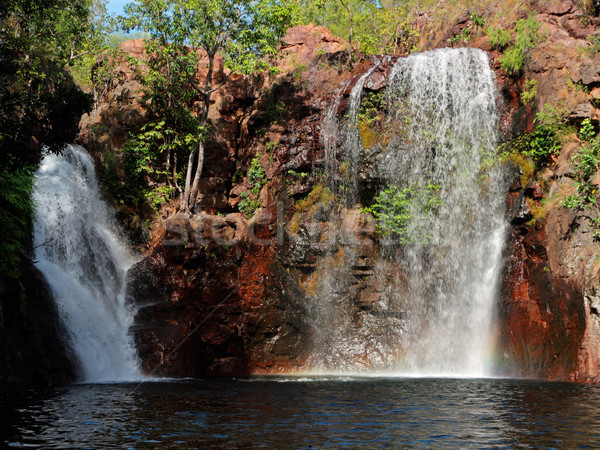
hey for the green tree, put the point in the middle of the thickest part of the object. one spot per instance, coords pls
(182, 34)
(39, 104)
(378, 27)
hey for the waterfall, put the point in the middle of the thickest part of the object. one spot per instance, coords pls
(424, 307)
(80, 252)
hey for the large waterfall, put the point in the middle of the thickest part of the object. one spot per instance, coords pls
(79, 251)
(426, 305)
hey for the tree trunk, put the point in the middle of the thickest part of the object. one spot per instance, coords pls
(198, 174)
(185, 200)
(175, 173)
(191, 188)
(351, 17)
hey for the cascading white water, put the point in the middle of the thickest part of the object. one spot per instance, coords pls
(434, 313)
(449, 98)
(81, 254)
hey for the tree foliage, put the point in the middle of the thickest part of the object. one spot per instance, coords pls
(40, 106)
(39, 103)
(16, 209)
(184, 39)
(378, 27)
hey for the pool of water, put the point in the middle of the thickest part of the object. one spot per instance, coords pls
(305, 413)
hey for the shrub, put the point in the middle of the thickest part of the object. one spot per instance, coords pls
(586, 132)
(538, 145)
(257, 178)
(543, 143)
(478, 21)
(499, 38)
(406, 213)
(526, 37)
(594, 47)
(513, 60)
(585, 164)
(530, 91)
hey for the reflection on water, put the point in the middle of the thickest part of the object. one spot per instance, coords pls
(305, 412)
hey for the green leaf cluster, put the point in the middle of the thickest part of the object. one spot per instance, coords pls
(244, 32)
(16, 211)
(594, 47)
(544, 141)
(38, 100)
(371, 104)
(585, 164)
(257, 178)
(499, 38)
(379, 27)
(407, 213)
(529, 92)
(467, 33)
(516, 43)
(538, 145)
(142, 156)
(184, 38)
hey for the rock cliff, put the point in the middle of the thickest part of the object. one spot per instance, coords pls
(222, 294)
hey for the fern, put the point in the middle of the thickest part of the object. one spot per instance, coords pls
(16, 211)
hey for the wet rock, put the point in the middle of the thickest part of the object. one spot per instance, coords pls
(518, 210)
(368, 298)
(33, 340)
(209, 266)
(534, 190)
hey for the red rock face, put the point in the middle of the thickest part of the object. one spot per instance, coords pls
(214, 302)
(215, 297)
(541, 316)
(548, 321)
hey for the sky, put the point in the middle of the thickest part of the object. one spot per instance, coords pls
(116, 6)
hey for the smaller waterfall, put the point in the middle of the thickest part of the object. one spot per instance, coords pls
(81, 255)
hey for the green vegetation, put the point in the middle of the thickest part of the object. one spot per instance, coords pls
(539, 145)
(478, 21)
(542, 143)
(585, 165)
(406, 213)
(465, 35)
(184, 36)
(257, 178)
(462, 38)
(516, 43)
(38, 100)
(529, 92)
(40, 105)
(140, 154)
(372, 127)
(594, 47)
(16, 205)
(499, 38)
(378, 27)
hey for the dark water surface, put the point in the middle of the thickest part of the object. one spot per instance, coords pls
(305, 413)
